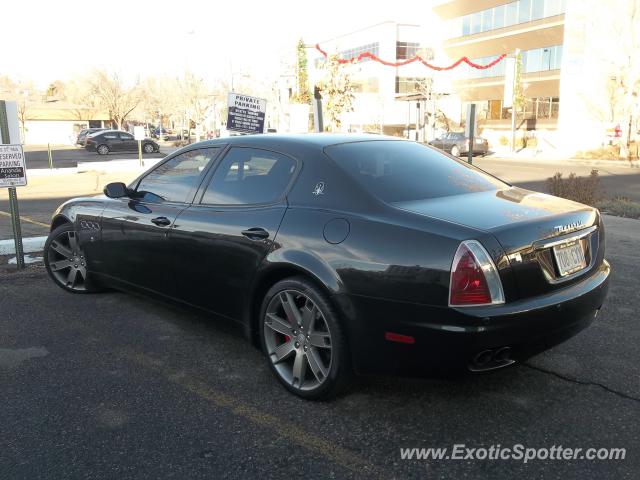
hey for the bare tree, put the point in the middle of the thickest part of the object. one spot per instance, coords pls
(197, 98)
(338, 89)
(112, 95)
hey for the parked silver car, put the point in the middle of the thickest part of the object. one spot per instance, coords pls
(456, 143)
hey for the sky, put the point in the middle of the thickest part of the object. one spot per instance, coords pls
(56, 40)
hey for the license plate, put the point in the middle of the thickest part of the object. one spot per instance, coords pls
(570, 258)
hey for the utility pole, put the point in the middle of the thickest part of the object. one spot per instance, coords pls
(516, 74)
(318, 121)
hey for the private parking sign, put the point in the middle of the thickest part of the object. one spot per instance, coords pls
(246, 114)
(13, 171)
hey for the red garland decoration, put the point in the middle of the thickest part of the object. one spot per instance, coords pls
(416, 58)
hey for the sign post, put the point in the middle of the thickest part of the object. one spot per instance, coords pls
(246, 114)
(470, 130)
(13, 171)
(510, 78)
(318, 121)
(138, 134)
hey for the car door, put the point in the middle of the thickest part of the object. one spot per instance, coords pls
(110, 139)
(439, 142)
(221, 239)
(127, 142)
(134, 246)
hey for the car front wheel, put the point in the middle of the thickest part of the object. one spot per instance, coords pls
(66, 261)
(303, 340)
(455, 151)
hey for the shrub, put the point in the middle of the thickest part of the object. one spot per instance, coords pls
(586, 190)
(532, 142)
(621, 207)
(504, 141)
(609, 152)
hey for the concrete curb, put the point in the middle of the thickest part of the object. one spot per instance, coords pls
(582, 161)
(30, 245)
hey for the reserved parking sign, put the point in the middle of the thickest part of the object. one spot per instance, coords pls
(13, 171)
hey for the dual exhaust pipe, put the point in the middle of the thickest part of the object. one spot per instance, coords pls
(491, 359)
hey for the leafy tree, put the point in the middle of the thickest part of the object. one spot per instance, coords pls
(302, 95)
(337, 88)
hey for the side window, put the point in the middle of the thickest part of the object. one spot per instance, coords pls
(126, 136)
(110, 136)
(175, 179)
(249, 176)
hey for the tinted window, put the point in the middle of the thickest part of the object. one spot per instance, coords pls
(175, 179)
(398, 171)
(126, 136)
(249, 175)
(110, 136)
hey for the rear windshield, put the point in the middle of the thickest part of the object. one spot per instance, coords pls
(402, 171)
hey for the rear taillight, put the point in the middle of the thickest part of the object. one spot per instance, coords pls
(474, 277)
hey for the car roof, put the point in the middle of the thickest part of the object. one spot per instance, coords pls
(318, 140)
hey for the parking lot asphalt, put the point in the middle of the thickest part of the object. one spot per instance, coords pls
(68, 157)
(116, 386)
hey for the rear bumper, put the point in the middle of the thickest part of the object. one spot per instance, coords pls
(447, 339)
(90, 147)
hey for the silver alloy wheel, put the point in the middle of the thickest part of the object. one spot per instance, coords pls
(455, 151)
(298, 340)
(103, 149)
(148, 148)
(67, 262)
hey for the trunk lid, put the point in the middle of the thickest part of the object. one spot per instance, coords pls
(528, 225)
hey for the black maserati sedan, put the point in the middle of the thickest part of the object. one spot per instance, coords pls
(110, 141)
(344, 254)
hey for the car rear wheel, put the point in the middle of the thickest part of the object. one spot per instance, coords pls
(66, 261)
(148, 148)
(455, 151)
(303, 340)
(102, 149)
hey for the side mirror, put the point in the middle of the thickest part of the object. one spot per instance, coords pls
(116, 190)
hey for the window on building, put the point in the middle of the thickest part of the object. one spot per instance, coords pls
(406, 50)
(537, 9)
(511, 14)
(498, 16)
(553, 7)
(476, 22)
(366, 85)
(534, 61)
(466, 25)
(487, 20)
(538, 60)
(408, 84)
(494, 110)
(541, 108)
(350, 53)
(524, 11)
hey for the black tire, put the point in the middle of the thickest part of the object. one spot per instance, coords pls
(102, 149)
(148, 148)
(339, 370)
(53, 258)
